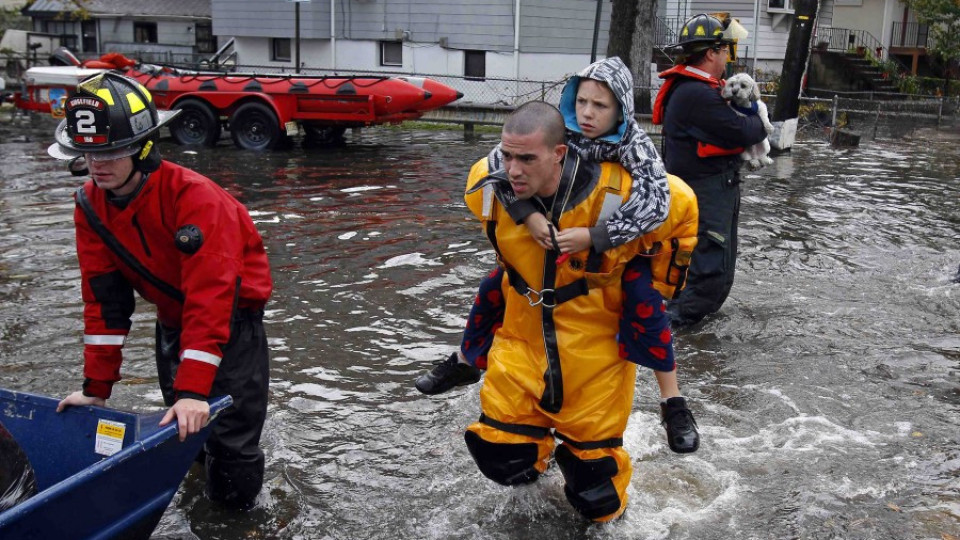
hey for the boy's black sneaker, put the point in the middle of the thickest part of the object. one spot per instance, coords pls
(681, 427)
(448, 373)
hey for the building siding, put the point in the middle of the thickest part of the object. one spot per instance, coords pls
(562, 26)
(546, 26)
(555, 35)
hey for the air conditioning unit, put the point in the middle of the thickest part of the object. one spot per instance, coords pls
(402, 35)
(444, 41)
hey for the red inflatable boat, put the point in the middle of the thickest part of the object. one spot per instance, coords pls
(260, 110)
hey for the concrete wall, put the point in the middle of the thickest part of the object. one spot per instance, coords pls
(829, 71)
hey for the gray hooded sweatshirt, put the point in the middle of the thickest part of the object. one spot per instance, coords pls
(649, 201)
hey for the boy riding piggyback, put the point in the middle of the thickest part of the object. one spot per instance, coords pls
(598, 110)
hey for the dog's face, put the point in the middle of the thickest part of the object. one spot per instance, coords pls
(741, 89)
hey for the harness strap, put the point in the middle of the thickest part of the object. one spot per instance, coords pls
(615, 442)
(682, 268)
(117, 248)
(492, 236)
(549, 297)
(537, 432)
(540, 432)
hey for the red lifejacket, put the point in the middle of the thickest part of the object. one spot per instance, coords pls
(671, 76)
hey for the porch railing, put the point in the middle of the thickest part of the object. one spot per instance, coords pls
(666, 31)
(846, 40)
(910, 35)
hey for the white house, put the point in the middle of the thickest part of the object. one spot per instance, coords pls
(526, 39)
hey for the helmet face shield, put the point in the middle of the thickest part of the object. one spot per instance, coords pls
(110, 155)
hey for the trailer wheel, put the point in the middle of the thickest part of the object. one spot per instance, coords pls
(323, 136)
(197, 124)
(254, 126)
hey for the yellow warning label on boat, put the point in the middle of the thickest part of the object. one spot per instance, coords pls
(109, 437)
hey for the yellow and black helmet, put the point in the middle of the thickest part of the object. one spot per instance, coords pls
(703, 29)
(109, 116)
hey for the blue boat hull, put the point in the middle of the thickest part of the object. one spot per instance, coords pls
(86, 495)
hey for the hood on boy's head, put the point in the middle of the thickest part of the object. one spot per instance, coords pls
(611, 71)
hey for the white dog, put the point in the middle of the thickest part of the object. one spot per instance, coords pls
(742, 90)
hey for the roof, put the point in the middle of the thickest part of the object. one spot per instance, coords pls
(140, 8)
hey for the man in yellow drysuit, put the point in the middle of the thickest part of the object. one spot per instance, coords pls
(554, 371)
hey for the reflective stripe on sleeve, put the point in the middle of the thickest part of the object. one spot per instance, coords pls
(103, 339)
(200, 356)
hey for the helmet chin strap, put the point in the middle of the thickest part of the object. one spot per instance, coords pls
(127, 181)
(143, 153)
(78, 166)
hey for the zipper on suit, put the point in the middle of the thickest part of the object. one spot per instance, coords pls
(143, 238)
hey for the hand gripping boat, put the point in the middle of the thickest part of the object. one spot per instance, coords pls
(84, 493)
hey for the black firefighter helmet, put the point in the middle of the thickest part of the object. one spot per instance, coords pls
(703, 31)
(110, 116)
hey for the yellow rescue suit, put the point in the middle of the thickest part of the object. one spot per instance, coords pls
(671, 244)
(553, 369)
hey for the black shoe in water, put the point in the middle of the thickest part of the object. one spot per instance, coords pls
(681, 427)
(448, 373)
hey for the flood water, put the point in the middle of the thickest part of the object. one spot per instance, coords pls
(827, 390)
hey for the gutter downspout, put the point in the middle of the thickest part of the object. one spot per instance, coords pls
(516, 46)
(756, 34)
(884, 40)
(333, 35)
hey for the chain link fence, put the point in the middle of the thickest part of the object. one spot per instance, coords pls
(872, 113)
(872, 117)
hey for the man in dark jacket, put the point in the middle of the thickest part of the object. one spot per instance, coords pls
(703, 138)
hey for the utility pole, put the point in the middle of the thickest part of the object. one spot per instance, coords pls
(795, 61)
(296, 33)
(596, 32)
(297, 37)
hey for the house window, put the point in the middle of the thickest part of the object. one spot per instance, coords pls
(280, 49)
(66, 30)
(144, 32)
(89, 31)
(391, 53)
(780, 6)
(59, 27)
(475, 65)
(206, 41)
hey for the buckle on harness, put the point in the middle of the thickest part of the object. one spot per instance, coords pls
(536, 298)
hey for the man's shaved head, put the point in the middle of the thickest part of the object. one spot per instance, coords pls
(537, 115)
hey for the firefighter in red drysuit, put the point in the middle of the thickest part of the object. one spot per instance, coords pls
(185, 245)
